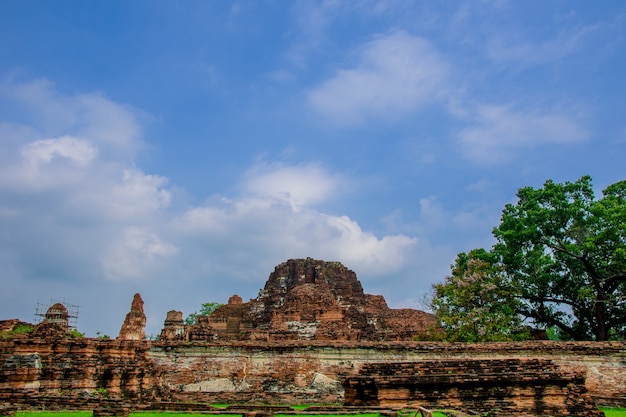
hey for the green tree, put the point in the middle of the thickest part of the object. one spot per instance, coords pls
(566, 251)
(477, 302)
(206, 309)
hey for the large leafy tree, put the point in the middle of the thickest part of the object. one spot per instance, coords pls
(566, 252)
(477, 302)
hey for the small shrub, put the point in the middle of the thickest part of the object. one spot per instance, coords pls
(101, 392)
(75, 334)
(18, 330)
(24, 328)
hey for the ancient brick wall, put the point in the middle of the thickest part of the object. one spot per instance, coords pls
(38, 371)
(75, 370)
(314, 371)
(500, 387)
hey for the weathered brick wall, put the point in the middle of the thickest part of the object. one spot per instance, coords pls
(75, 371)
(314, 371)
(500, 387)
(79, 371)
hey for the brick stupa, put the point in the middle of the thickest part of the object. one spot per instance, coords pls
(134, 326)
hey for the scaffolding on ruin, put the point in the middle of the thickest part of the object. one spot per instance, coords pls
(65, 315)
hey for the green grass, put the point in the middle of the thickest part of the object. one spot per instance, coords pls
(53, 414)
(335, 415)
(157, 414)
(614, 412)
(167, 414)
(609, 412)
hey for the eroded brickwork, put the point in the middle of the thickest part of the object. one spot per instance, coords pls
(290, 372)
(311, 336)
(134, 326)
(62, 372)
(504, 386)
(81, 368)
(305, 299)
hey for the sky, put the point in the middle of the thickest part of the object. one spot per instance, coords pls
(184, 149)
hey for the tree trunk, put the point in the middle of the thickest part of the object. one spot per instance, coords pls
(602, 332)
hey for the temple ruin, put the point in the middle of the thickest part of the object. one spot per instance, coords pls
(57, 313)
(134, 326)
(304, 299)
(312, 336)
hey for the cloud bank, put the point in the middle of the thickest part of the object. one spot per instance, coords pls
(78, 213)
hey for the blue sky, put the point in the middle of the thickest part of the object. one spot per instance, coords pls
(183, 149)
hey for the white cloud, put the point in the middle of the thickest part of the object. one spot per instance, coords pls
(136, 255)
(499, 131)
(366, 251)
(395, 74)
(80, 152)
(91, 205)
(107, 122)
(272, 228)
(137, 193)
(302, 185)
(95, 220)
(274, 219)
(110, 126)
(46, 163)
(64, 199)
(91, 157)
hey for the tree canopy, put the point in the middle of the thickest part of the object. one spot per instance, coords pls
(477, 302)
(559, 262)
(567, 252)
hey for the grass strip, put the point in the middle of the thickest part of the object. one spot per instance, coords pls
(609, 412)
(333, 415)
(53, 414)
(614, 412)
(183, 414)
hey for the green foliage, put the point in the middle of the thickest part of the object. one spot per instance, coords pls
(554, 333)
(566, 251)
(190, 320)
(75, 334)
(101, 392)
(477, 302)
(19, 329)
(24, 328)
(206, 309)
(559, 261)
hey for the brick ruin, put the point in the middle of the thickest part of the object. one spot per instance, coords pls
(304, 299)
(538, 378)
(512, 386)
(269, 351)
(134, 326)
